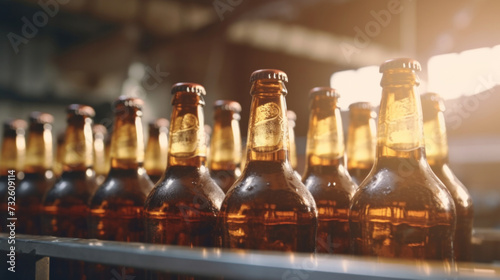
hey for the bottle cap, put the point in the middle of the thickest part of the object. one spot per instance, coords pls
(80, 110)
(99, 129)
(400, 63)
(41, 118)
(188, 87)
(127, 101)
(432, 99)
(158, 123)
(327, 91)
(15, 124)
(361, 105)
(290, 115)
(271, 74)
(227, 105)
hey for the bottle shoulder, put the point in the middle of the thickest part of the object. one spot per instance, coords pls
(457, 189)
(269, 184)
(185, 186)
(72, 187)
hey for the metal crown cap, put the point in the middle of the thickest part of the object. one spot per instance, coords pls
(400, 63)
(188, 87)
(15, 124)
(327, 91)
(99, 129)
(158, 123)
(41, 118)
(271, 74)
(432, 99)
(227, 105)
(128, 101)
(80, 110)
(290, 115)
(361, 105)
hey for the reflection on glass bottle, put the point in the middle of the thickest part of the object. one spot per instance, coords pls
(101, 162)
(38, 176)
(401, 209)
(183, 206)
(436, 149)
(361, 141)
(292, 117)
(155, 161)
(225, 146)
(325, 175)
(268, 208)
(65, 206)
(57, 169)
(116, 209)
(12, 163)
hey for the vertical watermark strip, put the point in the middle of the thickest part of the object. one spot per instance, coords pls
(11, 220)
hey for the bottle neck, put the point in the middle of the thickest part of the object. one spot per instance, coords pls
(78, 145)
(436, 145)
(39, 157)
(400, 125)
(156, 150)
(325, 137)
(268, 125)
(127, 142)
(361, 141)
(187, 145)
(100, 163)
(225, 145)
(13, 152)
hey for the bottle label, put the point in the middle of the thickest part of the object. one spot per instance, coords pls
(268, 128)
(187, 137)
(404, 126)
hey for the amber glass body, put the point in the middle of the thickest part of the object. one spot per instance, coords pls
(225, 145)
(436, 146)
(268, 208)
(12, 159)
(155, 159)
(38, 176)
(402, 210)
(361, 141)
(325, 175)
(116, 208)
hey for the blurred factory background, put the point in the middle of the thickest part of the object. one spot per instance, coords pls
(57, 52)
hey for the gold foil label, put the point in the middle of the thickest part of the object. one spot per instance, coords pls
(268, 128)
(186, 136)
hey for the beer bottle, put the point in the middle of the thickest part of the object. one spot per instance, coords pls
(401, 209)
(65, 206)
(292, 117)
(268, 207)
(116, 208)
(361, 142)
(225, 146)
(11, 165)
(38, 175)
(101, 161)
(155, 161)
(183, 206)
(436, 147)
(325, 175)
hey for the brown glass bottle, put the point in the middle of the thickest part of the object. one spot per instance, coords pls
(101, 161)
(65, 206)
(116, 209)
(325, 175)
(292, 117)
(268, 207)
(361, 141)
(183, 206)
(225, 146)
(155, 159)
(402, 210)
(436, 148)
(38, 175)
(11, 165)
(57, 169)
